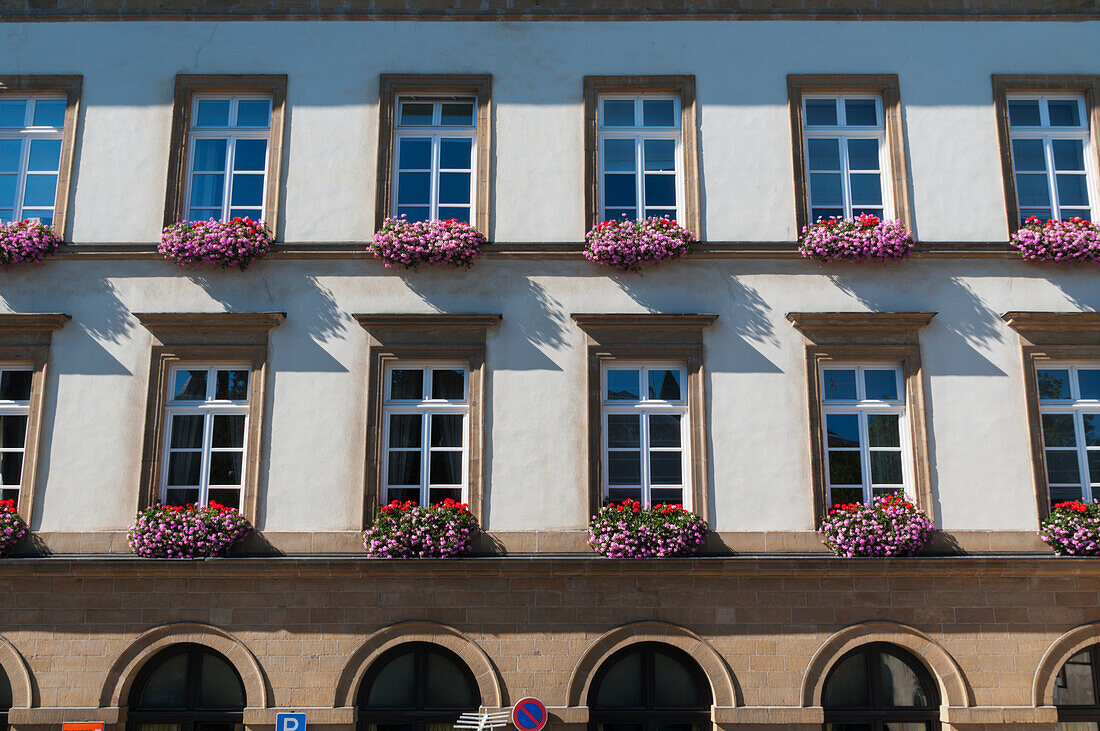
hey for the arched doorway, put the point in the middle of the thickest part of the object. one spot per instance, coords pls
(1077, 691)
(417, 686)
(649, 686)
(880, 687)
(187, 688)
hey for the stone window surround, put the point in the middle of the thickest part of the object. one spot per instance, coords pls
(681, 85)
(640, 337)
(480, 86)
(883, 84)
(426, 337)
(187, 85)
(871, 337)
(1005, 84)
(25, 338)
(71, 87)
(205, 338)
(1046, 337)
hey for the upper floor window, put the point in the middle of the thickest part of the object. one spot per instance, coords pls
(640, 168)
(426, 422)
(31, 137)
(863, 409)
(1069, 409)
(435, 162)
(15, 406)
(1050, 146)
(645, 433)
(846, 160)
(206, 418)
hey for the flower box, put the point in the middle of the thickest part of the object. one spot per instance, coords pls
(628, 530)
(236, 243)
(627, 244)
(409, 244)
(26, 242)
(12, 527)
(863, 238)
(1075, 241)
(1073, 528)
(409, 530)
(170, 531)
(889, 526)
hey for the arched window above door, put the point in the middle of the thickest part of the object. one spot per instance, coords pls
(880, 687)
(187, 688)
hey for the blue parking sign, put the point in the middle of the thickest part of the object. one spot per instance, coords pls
(290, 722)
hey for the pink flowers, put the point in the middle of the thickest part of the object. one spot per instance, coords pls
(889, 526)
(235, 243)
(409, 244)
(864, 238)
(26, 242)
(1075, 241)
(628, 530)
(168, 531)
(627, 244)
(12, 527)
(1073, 528)
(408, 530)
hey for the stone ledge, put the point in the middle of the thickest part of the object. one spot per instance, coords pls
(56, 716)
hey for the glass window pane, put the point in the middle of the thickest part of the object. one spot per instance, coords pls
(403, 468)
(248, 190)
(658, 113)
(414, 154)
(203, 214)
(860, 112)
(825, 189)
(1023, 112)
(209, 156)
(250, 155)
(664, 468)
(838, 385)
(881, 385)
(253, 113)
(11, 468)
(40, 190)
(624, 468)
(886, 468)
(166, 685)
(1058, 430)
(393, 687)
(620, 190)
(413, 188)
(212, 113)
(1094, 466)
(660, 190)
(187, 431)
(13, 431)
(406, 383)
(405, 430)
(231, 385)
(882, 430)
(659, 155)
(219, 686)
(863, 154)
(845, 468)
(181, 496)
(622, 385)
(454, 154)
(10, 150)
(225, 468)
(190, 386)
(45, 155)
(1074, 686)
(445, 468)
(614, 214)
(1063, 113)
(820, 112)
(866, 189)
(848, 685)
(664, 430)
(1027, 155)
(416, 114)
(844, 495)
(622, 685)
(184, 467)
(1062, 467)
(49, 113)
(460, 114)
(1092, 432)
(623, 431)
(842, 430)
(459, 214)
(454, 188)
(1088, 380)
(446, 430)
(1068, 154)
(1032, 190)
(901, 688)
(823, 154)
(13, 112)
(618, 155)
(675, 686)
(207, 190)
(447, 686)
(15, 385)
(413, 213)
(664, 384)
(1072, 190)
(449, 384)
(618, 112)
(1053, 383)
(228, 430)
(7, 190)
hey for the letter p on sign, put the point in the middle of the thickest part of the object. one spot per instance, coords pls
(290, 722)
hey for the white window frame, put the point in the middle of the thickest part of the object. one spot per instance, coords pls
(1077, 407)
(26, 134)
(639, 133)
(436, 131)
(230, 134)
(645, 408)
(863, 407)
(208, 409)
(426, 407)
(842, 133)
(17, 408)
(1047, 135)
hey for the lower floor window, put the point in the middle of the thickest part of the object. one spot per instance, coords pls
(880, 687)
(187, 688)
(15, 399)
(1069, 408)
(649, 686)
(1077, 692)
(416, 687)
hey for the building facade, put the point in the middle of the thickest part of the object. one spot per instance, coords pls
(751, 385)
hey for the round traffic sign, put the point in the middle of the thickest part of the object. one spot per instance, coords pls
(529, 714)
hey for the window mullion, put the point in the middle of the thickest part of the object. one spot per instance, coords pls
(425, 454)
(644, 456)
(865, 456)
(639, 167)
(433, 178)
(227, 185)
(205, 457)
(845, 177)
(1052, 178)
(1082, 454)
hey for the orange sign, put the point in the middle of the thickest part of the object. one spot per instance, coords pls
(82, 727)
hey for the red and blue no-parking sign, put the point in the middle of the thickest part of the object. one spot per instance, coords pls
(529, 714)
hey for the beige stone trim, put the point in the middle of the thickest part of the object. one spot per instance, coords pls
(57, 716)
(767, 715)
(488, 682)
(867, 336)
(942, 667)
(19, 675)
(438, 336)
(25, 338)
(1046, 337)
(885, 85)
(1005, 84)
(641, 337)
(187, 85)
(480, 86)
(116, 687)
(205, 338)
(682, 85)
(1061, 650)
(343, 716)
(710, 661)
(71, 87)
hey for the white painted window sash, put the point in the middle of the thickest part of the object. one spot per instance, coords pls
(25, 135)
(436, 132)
(1078, 408)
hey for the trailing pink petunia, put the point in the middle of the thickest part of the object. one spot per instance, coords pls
(26, 242)
(172, 531)
(409, 244)
(889, 526)
(1073, 528)
(863, 238)
(628, 530)
(409, 530)
(1075, 241)
(12, 527)
(235, 243)
(627, 244)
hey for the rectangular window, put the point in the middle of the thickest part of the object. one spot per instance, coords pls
(426, 413)
(227, 157)
(1069, 412)
(846, 159)
(435, 163)
(1049, 149)
(31, 136)
(15, 408)
(640, 156)
(645, 433)
(206, 427)
(863, 409)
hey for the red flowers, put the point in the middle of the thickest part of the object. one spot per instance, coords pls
(399, 506)
(1075, 506)
(8, 505)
